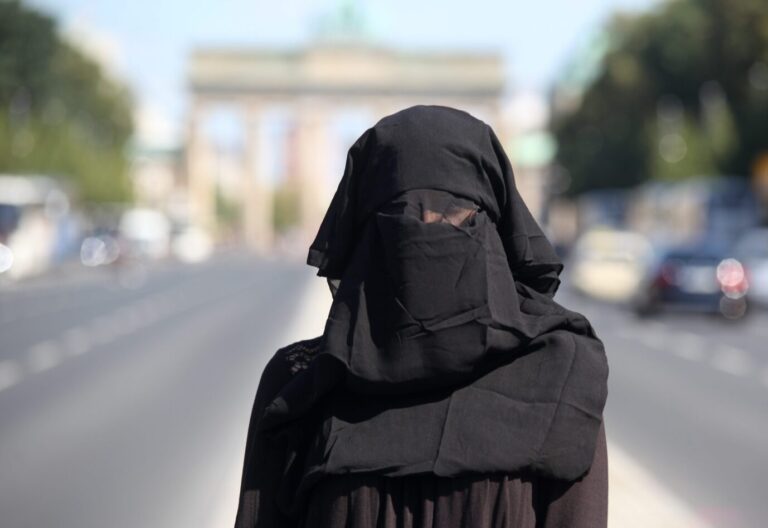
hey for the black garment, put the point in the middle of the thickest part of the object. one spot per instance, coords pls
(369, 500)
(443, 352)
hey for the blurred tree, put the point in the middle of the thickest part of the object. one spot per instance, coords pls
(285, 213)
(228, 212)
(62, 115)
(681, 91)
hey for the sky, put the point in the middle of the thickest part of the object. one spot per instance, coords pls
(146, 44)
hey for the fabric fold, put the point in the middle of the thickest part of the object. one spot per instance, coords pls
(443, 350)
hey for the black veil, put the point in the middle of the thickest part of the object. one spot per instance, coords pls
(391, 157)
(444, 350)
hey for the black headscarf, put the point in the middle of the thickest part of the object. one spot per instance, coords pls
(443, 350)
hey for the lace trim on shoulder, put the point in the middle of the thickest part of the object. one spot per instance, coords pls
(301, 353)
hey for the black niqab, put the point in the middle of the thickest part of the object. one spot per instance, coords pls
(443, 350)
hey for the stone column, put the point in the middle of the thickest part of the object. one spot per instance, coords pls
(312, 143)
(258, 196)
(200, 171)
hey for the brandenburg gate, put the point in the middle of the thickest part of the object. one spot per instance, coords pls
(314, 84)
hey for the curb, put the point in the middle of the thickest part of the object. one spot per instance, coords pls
(636, 499)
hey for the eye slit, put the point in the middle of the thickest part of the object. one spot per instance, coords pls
(430, 216)
(460, 215)
(454, 215)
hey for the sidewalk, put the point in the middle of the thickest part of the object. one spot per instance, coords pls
(636, 498)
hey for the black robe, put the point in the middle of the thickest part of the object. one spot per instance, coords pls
(420, 501)
(444, 353)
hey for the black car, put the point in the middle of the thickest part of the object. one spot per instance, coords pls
(702, 277)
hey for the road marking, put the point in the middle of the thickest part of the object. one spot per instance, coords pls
(43, 356)
(147, 311)
(731, 360)
(134, 317)
(688, 346)
(77, 341)
(122, 322)
(99, 331)
(102, 330)
(10, 374)
(626, 333)
(165, 307)
(653, 338)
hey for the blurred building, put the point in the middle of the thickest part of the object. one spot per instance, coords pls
(313, 86)
(157, 177)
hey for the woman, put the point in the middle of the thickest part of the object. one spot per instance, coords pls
(448, 388)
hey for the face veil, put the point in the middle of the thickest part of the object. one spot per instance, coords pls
(433, 148)
(443, 350)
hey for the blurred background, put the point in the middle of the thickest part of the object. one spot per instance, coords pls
(164, 167)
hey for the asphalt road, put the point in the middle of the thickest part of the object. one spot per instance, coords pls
(128, 406)
(688, 399)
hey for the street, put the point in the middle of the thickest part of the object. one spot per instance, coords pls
(128, 406)
(125, 408)
(688, 399)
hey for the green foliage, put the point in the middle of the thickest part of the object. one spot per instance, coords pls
(228, 212)
(286, 207)
(62, 115)
(680, 154)
(694, 71)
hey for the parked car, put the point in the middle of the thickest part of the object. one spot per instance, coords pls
(191, 244)
(609, 264)
(100, 248)
(30, 207)
(752, 251)
(145, 233)
(703, 277)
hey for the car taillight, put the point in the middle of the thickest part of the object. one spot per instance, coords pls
(6, 258)
(666, 276)
(732, 278)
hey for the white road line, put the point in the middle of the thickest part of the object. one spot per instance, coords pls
(10, 373)
(159, 308)
(731, 360)
(653, 326)
(134, 318)
(44, 356)
(77, 341)
(650, 337)
(148, 310)
(104, 329)
(122, 322)
(653, 338)
(99, 331)
(627, 333)
(688, 346)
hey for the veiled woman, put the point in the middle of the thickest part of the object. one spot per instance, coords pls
(448, 388)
